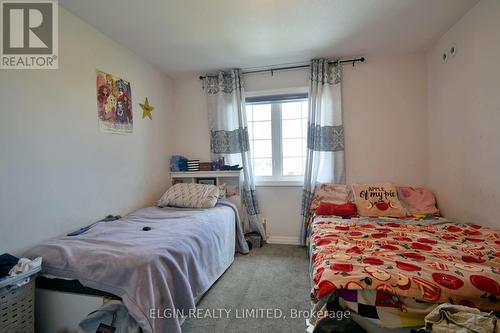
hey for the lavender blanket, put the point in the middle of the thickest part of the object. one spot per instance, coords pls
(155, 272)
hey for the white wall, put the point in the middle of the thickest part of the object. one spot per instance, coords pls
(385, 120)
(57, 170)
(464, 117)
(385, 124)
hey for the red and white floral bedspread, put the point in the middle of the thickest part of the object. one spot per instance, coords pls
(428, 260)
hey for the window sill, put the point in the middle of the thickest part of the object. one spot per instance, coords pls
(279, 183)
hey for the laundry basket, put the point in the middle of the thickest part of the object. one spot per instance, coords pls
(17, 303)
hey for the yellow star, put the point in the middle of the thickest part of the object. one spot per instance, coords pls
(147, 109)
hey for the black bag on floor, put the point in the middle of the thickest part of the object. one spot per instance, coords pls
(332, 325)
(112, 317)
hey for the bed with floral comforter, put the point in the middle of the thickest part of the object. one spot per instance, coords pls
(425, 261)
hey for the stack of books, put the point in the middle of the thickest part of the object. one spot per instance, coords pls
(205, 166)
(193, 165)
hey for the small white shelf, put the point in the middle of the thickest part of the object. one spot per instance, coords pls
(221, 177)
(205, 174)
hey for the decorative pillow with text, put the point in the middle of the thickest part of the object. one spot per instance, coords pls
(379, 199)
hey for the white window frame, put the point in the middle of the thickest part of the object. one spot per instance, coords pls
(297, 181)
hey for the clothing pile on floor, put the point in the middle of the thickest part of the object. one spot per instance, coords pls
(445, 318)
(461, 319)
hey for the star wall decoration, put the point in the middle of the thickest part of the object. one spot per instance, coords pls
(147, 109)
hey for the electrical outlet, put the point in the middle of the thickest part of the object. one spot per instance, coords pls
(453, 50)
(444, 57)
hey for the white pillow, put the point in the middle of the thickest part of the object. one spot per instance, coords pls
(190, 195)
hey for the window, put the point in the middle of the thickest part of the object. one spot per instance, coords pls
(277, 128)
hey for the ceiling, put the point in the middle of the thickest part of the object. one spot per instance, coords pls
(182, 36)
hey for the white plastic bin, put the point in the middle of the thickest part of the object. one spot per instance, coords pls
(17, 303)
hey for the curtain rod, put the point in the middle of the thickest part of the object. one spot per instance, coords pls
(272, 70)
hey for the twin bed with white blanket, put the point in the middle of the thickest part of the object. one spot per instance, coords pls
(164, 269)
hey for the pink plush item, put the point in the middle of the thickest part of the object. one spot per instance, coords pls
(419, 200)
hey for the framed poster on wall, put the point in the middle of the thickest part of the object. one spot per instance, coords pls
(114, 104)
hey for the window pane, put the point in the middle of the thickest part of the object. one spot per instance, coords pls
(263, 166)
(293, 166)
(262, 148)
(249, 113)
(250, 131)
(261, 112)
(262, 130)
(305, 110)
(291, 128)
(293, 132)
(292, 147)
(291, 110)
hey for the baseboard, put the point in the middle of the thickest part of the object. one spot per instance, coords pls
(283, 240)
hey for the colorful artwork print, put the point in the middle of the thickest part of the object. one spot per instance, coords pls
(114, 104)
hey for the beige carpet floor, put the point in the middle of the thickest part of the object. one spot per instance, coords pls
(272, 277)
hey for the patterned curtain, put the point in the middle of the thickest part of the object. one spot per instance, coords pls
(325, 161)
(229, 136)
